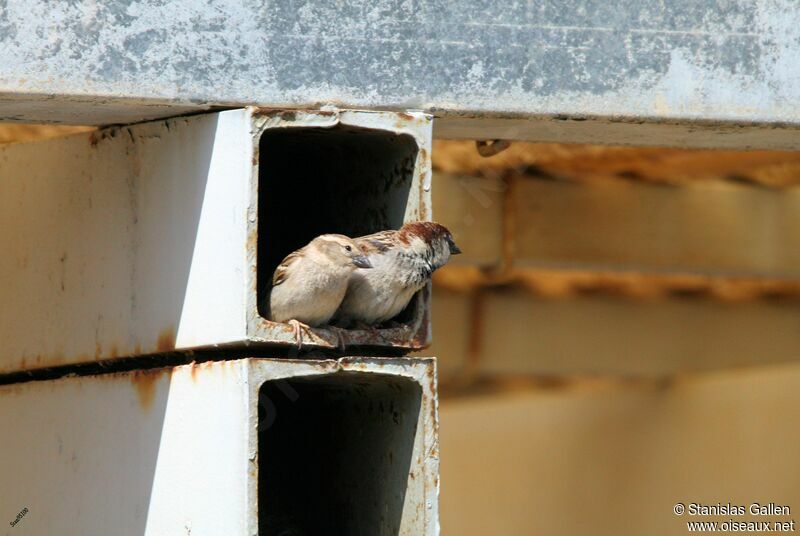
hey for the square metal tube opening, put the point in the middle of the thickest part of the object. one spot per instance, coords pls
(335, 454)
(343, 179)
(345, 172)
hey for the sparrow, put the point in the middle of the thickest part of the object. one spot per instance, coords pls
(403, 262)
(309, 284)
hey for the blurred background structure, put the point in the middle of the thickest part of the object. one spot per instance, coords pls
(621, 334)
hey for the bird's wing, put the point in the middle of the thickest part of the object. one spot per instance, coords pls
(282, 271)
(379, 242)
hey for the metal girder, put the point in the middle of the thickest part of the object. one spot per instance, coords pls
(205, 448)
(160, 236)
(710, 228)
(631, 446)
(685, 72)
(515, 334)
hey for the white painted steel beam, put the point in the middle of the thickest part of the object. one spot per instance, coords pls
(200, 450)
(687, 72)
(154, 237)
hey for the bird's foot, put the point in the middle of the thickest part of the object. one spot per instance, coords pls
(341, 337)
(297, 328)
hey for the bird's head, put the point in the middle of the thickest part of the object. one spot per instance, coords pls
(340, 251)
(430, 239)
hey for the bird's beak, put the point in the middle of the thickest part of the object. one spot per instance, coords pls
(362, 261)
(454, 249)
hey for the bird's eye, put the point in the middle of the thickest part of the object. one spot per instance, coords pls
(348, 248)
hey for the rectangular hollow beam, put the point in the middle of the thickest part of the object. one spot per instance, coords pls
(162, 236)
(679, 73)
(205, 448)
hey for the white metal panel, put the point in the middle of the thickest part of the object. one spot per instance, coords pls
(189, 205)
(145, 452)
(175, 451)
(107, 236)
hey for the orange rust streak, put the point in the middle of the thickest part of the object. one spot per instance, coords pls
(166, 340)
(145, 382)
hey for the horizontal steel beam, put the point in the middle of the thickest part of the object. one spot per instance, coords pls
(487, 68)
(209, 449)
(502, 333)
(710, 228)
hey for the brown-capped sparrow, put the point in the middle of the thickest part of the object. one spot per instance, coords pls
(403, 262)
(310, 283)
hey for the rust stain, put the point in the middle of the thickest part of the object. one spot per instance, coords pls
(252, 240)
(289, 115)
(97, 136)
(193, 370)
(114, 352)
(138, 349)
(403, 120)
(98, 350)
(145, 383)
(432, 415)
(166, 340)
(431, 375)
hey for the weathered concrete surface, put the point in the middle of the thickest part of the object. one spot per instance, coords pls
(679, 61)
